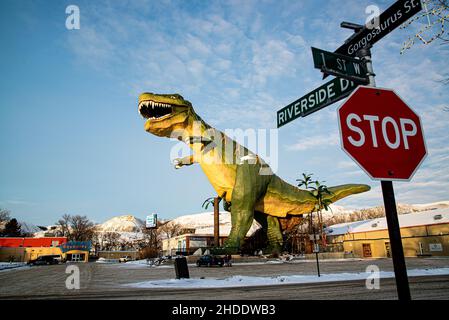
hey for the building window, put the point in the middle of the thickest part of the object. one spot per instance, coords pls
(387, 249)
(367, 253)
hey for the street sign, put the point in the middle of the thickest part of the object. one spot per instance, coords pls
(340, 65)
(382, 134)
(389, 20)
(319, 98)
(151, 221)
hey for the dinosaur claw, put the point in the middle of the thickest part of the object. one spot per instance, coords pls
(177, 163)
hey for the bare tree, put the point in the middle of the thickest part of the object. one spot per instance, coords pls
(76, 228)
(110, 240)
(82, 229)
(64, 224)
(170, 229)
(4, 215)
(430, 23)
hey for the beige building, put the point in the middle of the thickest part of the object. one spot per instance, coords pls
(133, 254)
(27, 254)
(423, 234)
(189, 243)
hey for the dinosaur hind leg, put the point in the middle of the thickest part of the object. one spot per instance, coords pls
(248, 188)
(272, 228)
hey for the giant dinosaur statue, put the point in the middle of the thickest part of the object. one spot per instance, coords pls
(238, 176)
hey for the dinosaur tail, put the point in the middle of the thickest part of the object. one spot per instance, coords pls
(340, 192)
(282, 198)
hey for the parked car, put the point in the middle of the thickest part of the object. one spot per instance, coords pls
(210, 261)
(125, 259)
(46, 260)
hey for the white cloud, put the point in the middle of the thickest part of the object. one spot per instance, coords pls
(239, 65)
(314, 142)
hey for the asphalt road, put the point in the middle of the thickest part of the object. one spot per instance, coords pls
(104, 281)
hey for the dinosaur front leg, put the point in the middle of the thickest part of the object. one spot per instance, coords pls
(181, 162)
(242, 215)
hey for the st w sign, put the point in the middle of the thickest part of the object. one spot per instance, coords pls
(382, 134)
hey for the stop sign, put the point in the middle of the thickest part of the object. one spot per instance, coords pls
(381, 133)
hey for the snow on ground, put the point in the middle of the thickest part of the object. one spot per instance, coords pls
(5, 266)
(246, 281)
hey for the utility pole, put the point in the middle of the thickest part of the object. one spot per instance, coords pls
(217, 222)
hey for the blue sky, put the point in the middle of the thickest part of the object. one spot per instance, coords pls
(71, 138)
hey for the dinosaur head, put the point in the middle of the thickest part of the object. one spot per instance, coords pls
(165, 113)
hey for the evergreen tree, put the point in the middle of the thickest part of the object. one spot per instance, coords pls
(12, 229)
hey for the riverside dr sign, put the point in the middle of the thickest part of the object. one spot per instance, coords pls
(319, 98)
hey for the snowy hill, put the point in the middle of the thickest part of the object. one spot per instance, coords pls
(127, 223)
(424, 207)
(402, 208)
(28, 228)
(128, 227)
(51, 231)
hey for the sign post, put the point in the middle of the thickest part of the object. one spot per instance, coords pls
(384, 137)
(378, 130)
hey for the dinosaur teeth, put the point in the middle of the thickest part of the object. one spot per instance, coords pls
(154, 110)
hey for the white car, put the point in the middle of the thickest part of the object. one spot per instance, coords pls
(125, 259)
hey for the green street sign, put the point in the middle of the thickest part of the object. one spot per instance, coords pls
(340, 65)
(319, 98)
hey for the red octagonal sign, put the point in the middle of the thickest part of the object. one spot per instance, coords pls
(381, 133)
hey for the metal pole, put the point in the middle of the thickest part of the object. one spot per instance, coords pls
(314, 245)
(391, 214)
(394, 231)
(216, 222)
(316, 252)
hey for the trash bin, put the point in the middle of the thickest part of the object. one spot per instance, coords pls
(181, 268)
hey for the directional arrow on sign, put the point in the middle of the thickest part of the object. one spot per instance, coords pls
(340, 65)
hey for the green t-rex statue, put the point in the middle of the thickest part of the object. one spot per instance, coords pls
(243, 180)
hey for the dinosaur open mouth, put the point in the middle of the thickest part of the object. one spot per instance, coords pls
(154, 110)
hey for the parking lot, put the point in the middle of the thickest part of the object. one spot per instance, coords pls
(110, 281)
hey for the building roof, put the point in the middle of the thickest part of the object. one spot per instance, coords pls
(16, 242)
(405, 220)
